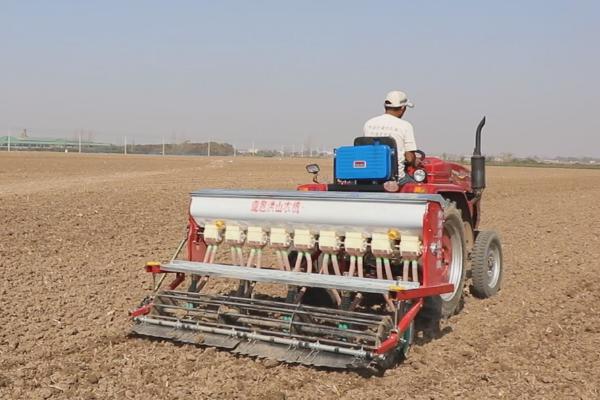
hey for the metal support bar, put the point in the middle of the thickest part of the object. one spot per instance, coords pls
(352, 284)
(392, 341)
(256, 336)
(425, 291)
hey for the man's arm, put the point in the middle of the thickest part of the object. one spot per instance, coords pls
(410, 158)
(410, 145)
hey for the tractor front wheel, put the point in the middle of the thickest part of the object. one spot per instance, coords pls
(486, 265)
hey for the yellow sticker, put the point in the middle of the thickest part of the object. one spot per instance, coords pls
(153, 263)
(395, 288)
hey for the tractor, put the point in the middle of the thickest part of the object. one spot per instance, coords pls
(356, 262)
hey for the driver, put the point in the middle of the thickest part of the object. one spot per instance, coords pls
(390, 124)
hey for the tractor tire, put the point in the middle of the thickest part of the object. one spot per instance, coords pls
(456, 257)
(486, 265)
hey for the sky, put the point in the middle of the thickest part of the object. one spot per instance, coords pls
(304, 73)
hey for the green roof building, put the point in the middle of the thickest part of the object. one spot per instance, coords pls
(49, 143)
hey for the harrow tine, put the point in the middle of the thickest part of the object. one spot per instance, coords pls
(268, 322)
(330, 318)
(276, 306)
(276, 319)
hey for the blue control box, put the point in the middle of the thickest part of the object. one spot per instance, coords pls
(363, 162)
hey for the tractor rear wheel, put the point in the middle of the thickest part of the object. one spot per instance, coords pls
(454, 256)
(486, 265)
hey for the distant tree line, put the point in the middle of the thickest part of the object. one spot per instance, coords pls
(183, 149)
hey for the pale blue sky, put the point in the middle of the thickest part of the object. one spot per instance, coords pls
(292, 72)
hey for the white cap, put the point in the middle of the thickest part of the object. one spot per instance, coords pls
(397, 98)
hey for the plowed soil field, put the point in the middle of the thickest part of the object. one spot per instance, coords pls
(75, 231)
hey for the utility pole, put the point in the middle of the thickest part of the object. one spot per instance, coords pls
(163, 146)
(9, 142)
(79, 141)
(208, 149)
(125, 145)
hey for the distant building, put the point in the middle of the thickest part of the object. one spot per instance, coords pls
(25, 142)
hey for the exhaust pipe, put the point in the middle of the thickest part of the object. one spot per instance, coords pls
(478, 162)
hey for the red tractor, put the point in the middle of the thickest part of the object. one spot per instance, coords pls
(360, 261)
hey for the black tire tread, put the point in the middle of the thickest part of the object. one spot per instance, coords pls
(479, 287)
